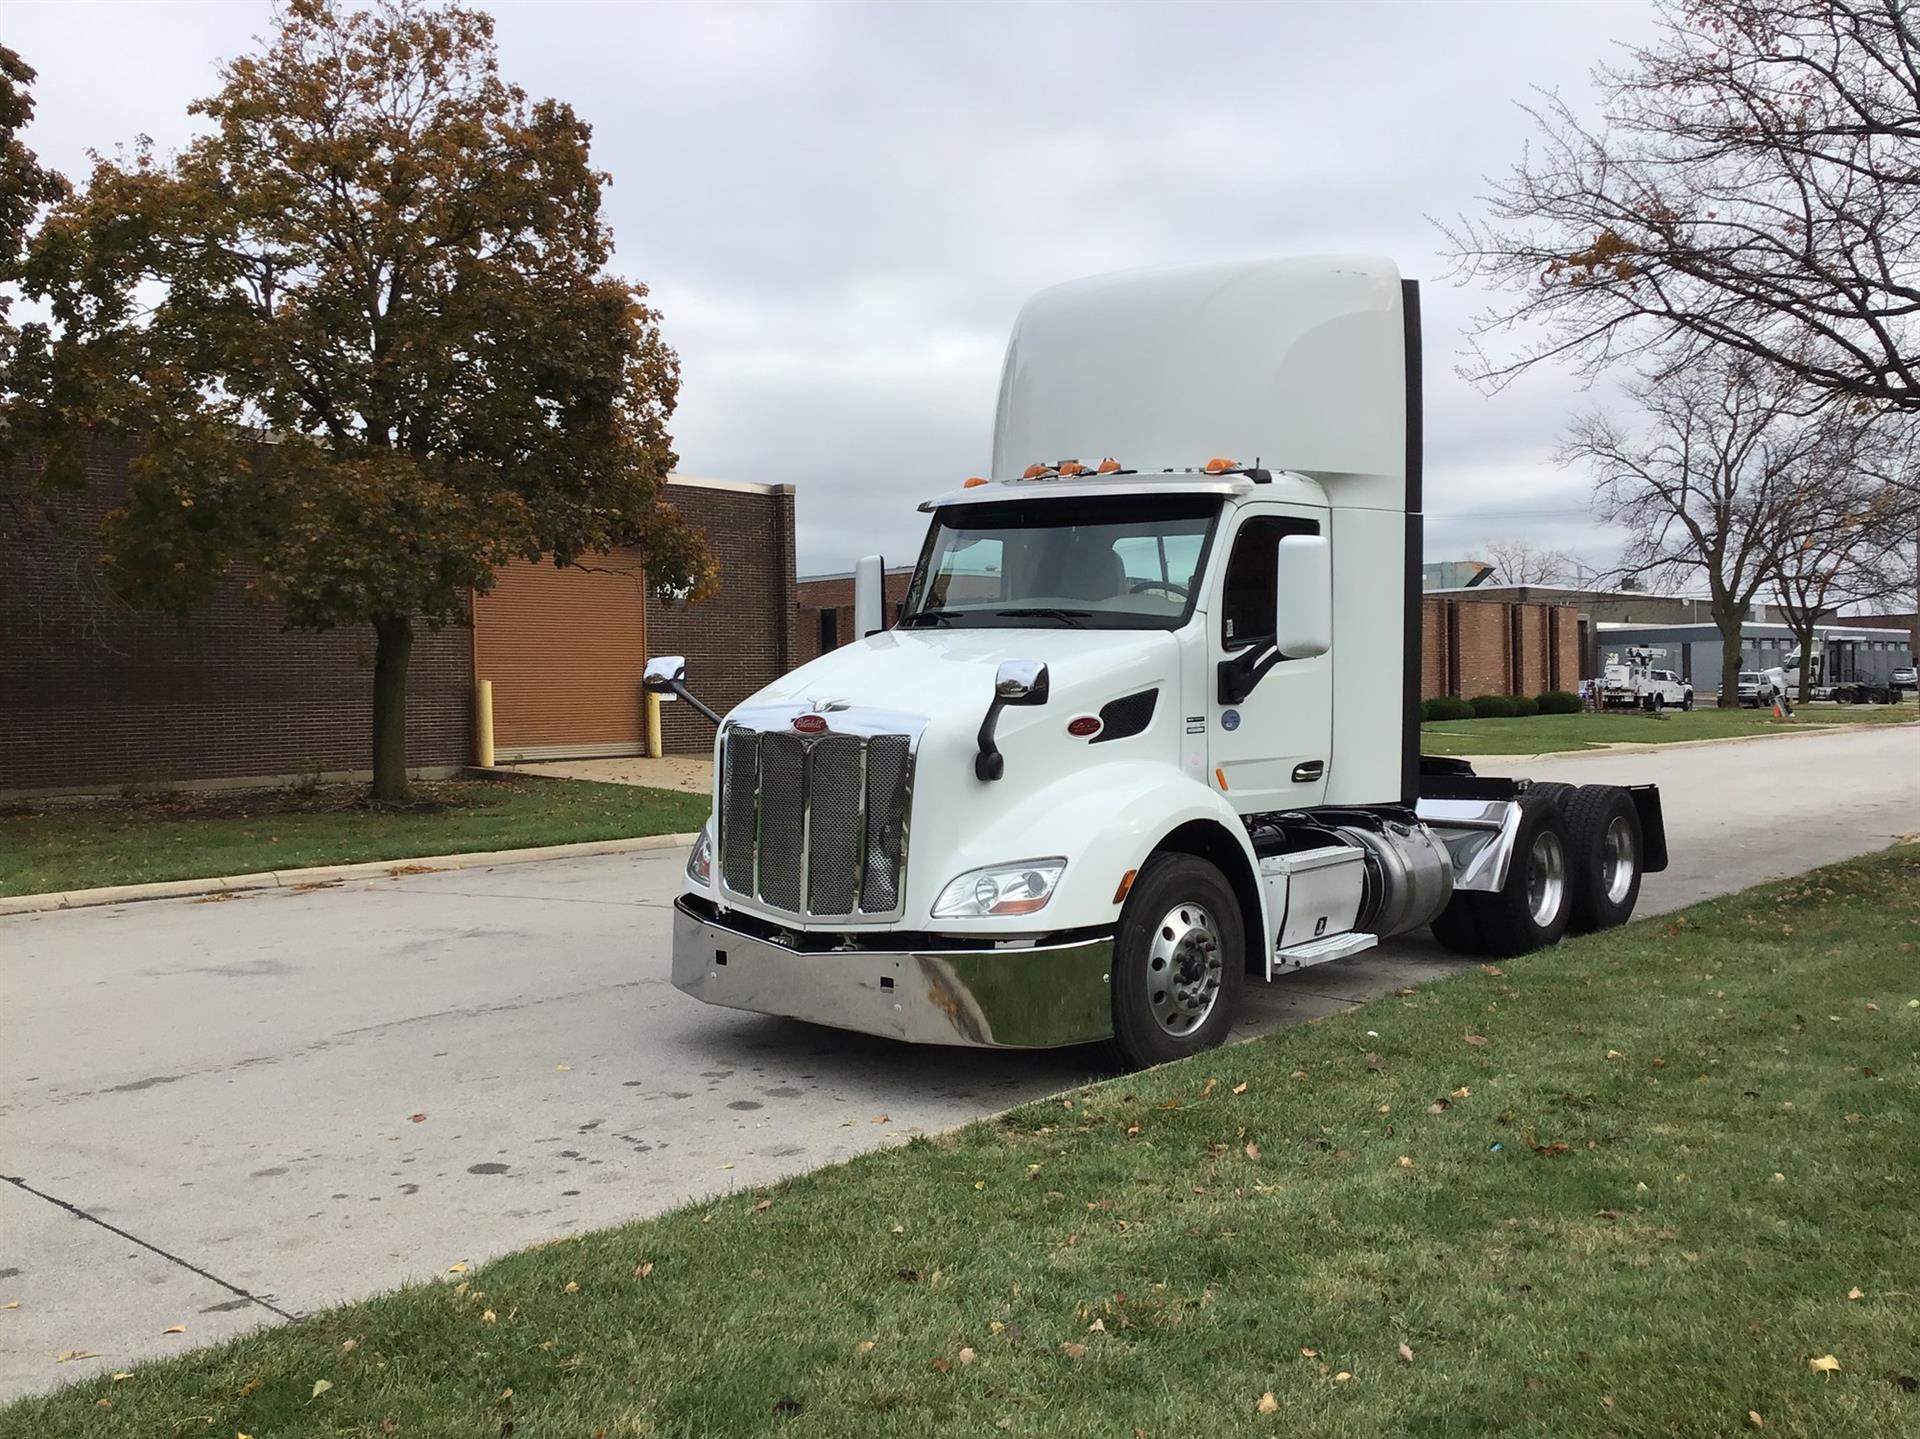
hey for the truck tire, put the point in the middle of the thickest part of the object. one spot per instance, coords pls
(1686, 701)
(1533, 909)
(1556, 790)
(1605, 856)
(1179, 962)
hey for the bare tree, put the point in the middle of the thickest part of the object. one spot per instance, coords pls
(1702, 480)
(1845, 531)
(1519, 562)
(1754, 183)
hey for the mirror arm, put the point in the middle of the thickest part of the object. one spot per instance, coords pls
(990, 764)
(679, 687)
(1239, 676)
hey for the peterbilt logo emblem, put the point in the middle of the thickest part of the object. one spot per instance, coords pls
(810, 723)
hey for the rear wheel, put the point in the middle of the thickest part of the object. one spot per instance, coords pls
(1179, 962)
(1686, 700)
(1553, 789)
(1606, 856)
(1533, 908)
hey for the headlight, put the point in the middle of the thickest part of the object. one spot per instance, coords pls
(700, 862)
(1019, 888)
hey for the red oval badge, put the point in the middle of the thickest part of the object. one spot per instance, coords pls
(810, 723)
(1084, 726)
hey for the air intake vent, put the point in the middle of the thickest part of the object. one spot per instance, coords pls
(1124, 718)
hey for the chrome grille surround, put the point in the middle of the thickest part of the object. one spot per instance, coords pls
(815, 825)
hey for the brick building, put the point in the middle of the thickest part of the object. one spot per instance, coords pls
(826, 609)
(95, 695)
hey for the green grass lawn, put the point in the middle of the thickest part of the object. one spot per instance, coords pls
(1543, 734)
(193, 835)
(1629, 1187)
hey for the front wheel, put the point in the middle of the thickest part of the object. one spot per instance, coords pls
(1686, 700)
(1179, 962)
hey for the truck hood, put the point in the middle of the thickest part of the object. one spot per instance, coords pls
(936, 672)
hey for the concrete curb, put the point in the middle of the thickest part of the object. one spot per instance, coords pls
(1654, 746)
(398, 868)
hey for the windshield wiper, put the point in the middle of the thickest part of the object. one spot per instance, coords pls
(929, 617)
(1044, 612)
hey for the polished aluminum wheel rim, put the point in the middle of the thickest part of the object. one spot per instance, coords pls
(1546, 878)
(1618, 862)
(1184, 967)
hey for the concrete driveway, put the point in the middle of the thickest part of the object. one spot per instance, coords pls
(218, 1114)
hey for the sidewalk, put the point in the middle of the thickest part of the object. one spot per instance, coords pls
(691, 773)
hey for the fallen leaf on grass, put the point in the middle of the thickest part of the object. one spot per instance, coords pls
(1074, 1351)
(349, 1346)
(1753, 1418)
(1406, 1161)
(762, 1207)
(641, 1271)
(1406, 1354)
(1253, 1150)
(1825, 1364)
(1309, 1353)
(1099, 1326)
(488, 1317)
(252, 1386)
(320, 1386)
(1478, 1041)
(460, 1268)
(1241, 1087)
(1209, 1087)
(1856, 1293)
(1342, 1377)
(1495, 970)
(1615, 1054)
(123, 1376)
(1268, 1404)
(1463, 1093)
(943, 1366)
(573, 1287)
(1606, 1401)
(865, 1346)
(965, 1356)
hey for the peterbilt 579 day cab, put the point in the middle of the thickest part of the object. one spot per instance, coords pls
(1149, 719)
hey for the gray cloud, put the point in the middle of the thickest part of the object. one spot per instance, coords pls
(840, 208)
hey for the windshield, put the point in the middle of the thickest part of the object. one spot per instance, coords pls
(1115, 562)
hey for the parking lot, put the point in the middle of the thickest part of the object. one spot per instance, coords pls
(219, 1114)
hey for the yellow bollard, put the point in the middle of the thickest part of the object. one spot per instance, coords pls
(654, 750)
(483, 723)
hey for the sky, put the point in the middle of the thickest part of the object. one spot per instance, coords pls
(839, 208)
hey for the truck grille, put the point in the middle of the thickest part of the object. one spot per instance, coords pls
(815, 825)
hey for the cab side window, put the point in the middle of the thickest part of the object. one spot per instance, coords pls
(1246, 614)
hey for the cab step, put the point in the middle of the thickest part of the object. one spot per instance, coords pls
(1319, 951)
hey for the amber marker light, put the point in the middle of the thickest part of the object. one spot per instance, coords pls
(1219, 466)
(1126, 883)
(971, 482)
(1109, 466)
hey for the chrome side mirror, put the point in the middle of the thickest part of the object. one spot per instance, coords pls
(662, 675)
(1018, 682)
(1021, 682)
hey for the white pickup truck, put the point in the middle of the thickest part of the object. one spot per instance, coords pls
(1149, 723)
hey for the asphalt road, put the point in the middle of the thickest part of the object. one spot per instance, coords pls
(218, 1114)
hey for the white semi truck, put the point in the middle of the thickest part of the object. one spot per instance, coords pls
(1148, 723)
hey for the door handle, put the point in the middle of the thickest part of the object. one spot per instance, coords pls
(1309, 770)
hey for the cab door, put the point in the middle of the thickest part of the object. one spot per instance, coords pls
(1270, 719)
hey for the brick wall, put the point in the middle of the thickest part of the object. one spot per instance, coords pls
(834, 594)
(96, 695)
(748, 635)
(1474, 647)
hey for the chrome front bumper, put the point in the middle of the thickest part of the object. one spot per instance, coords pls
(1030, 997)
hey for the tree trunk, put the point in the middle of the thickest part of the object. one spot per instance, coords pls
(1805, 639)
(392, 648)
(1729, 625)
